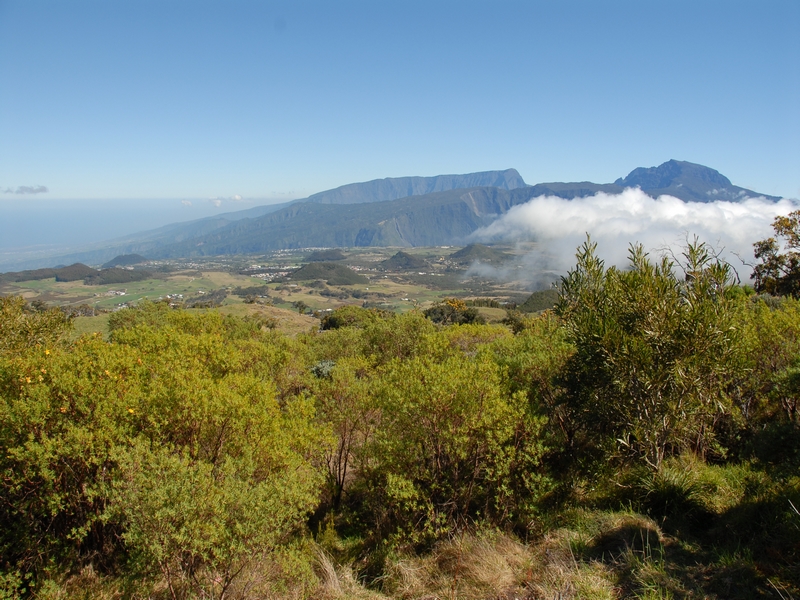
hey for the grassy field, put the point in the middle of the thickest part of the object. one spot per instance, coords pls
(74, 293)
(90, 325)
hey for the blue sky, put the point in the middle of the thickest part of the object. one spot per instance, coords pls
(194, 100)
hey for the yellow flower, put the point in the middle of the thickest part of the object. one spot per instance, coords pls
(28, 379)
(107, 373)
(130, 410)
(63, 409)
(47, 352)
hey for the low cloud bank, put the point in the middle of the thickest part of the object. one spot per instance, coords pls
(27, 189)
(616, 220)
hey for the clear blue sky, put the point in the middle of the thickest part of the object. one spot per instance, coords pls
(190, 99)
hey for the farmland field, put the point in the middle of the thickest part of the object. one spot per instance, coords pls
(274, 293)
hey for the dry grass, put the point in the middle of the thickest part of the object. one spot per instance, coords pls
(557, 572)
(597, 556)
(494, 566)
(86, 584)
(466, 567)
(289, 322)
(339, 582)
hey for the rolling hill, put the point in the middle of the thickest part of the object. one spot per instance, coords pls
(479, 252)
(402, 261)
(124, 260)
(332, 273)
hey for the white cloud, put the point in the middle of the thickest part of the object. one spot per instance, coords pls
(616, 220)
(236, 198)
(216, 201)
(27, 189)
(186, 202)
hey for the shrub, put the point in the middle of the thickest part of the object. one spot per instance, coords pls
(168, 447)
(23, 329)
(452, 311)
(451, 447)
(654, 353)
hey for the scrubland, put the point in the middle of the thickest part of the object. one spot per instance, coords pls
(638, 441)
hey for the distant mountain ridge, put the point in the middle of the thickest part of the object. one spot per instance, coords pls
(688, 181)
(400, 211)
(393, 188)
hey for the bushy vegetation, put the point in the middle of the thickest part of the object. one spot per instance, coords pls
(404, 261)
(539, 301)
(638, 441)
(124, 260)
(452, 311)
(115, 275)
(331, 272)
(478, 252)
(74, 272)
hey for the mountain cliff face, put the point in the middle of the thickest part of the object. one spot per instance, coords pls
(393, 188)
(428, 220)
(688, 181)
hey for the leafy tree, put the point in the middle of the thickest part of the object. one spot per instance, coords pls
(352, 316)
(61, 413)
(344, 403)
(767, 377)
(397, 337)
(452, 311)
(534, 360)
(653, 352)
(204, 524)
(779, 273)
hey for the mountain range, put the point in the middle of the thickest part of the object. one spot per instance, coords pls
(402, 211)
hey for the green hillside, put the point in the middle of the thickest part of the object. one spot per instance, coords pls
(538, 301)
(125, 260)
(332, 273)
(479, 252)
(402, 261)
(73, 272)
(639, 442)
(431, 220)
(115, 275)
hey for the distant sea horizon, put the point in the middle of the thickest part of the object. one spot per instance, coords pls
(32, 225)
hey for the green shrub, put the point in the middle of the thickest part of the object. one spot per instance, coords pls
(106, 447)
(451, 447)
(655, 353)
(23, 328)
(452, 311)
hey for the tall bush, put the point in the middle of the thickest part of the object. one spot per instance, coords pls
(452, 447)
(653, 350)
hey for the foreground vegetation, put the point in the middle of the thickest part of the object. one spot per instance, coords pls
(639, 441)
